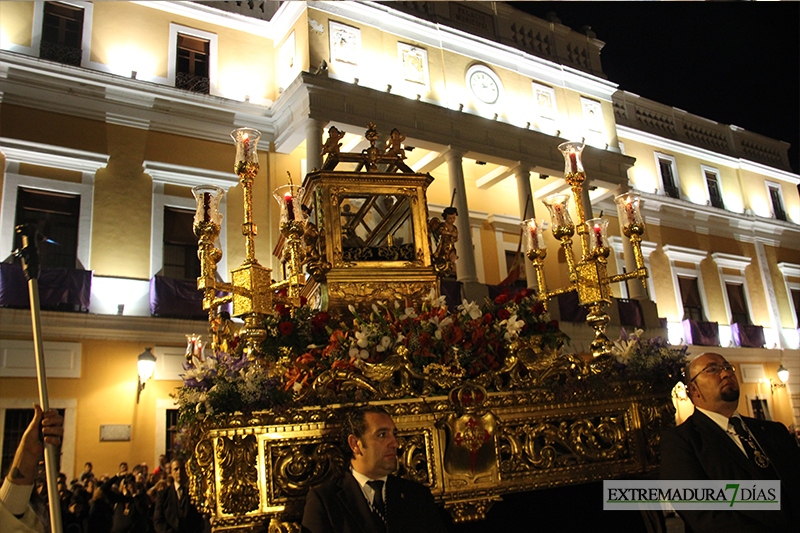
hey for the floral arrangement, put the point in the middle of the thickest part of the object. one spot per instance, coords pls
(651, 359)
(302, 343)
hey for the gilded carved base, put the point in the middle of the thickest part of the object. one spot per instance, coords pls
(469, 447)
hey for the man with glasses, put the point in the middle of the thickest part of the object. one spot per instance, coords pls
(717, 443)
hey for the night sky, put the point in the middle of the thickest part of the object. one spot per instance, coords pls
(731, 62)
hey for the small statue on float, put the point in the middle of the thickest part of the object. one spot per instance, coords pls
(394, 145)
(224, 333)
(332, 145)
(446, 235)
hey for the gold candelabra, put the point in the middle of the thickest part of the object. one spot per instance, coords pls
(589, 276)
(251, 290)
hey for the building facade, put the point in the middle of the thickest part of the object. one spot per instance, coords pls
(111, 111)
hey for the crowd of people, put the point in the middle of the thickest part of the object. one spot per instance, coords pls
(134, 500)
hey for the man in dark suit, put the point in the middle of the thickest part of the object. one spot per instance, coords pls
(175, 512)
(717, 443)
(366, 499)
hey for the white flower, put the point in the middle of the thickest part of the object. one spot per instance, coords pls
(362, 338)
(439, 325)
(352, 308)
(434, 300)
(355, 353)
(384, 344)
(375, 309)
(410, 312)
(297, 386)
(513, 327)
(400, 338)
(470, 308)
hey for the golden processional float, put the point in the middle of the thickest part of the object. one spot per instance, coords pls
(484, 400)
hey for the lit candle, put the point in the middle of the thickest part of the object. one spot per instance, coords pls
(598, 235)
(629, 211)
(287, 199)
(573, 161)
(534, 239)
(246, 145)
(206, 207)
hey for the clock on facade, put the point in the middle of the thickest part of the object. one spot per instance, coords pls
(484, 84)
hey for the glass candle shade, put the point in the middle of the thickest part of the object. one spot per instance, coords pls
(208, 198)
(628, 206)
(572, 157)
(534, 234)
(598, 230)
(288, 197)
(246, 140)
(558, 206)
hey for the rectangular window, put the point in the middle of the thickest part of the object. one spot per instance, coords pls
(690, 294)
(516, 262)
(796, 299)
(738, 304)
(180, 245)
(668, 178)
(55, 215)
(714, 193)
(192, 68)
(62, 33)
(16, 423)
(172, 432)
(777, 202)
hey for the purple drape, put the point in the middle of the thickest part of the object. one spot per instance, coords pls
(748, 336)
(701, 333)
(569, 309)
(451, 290)
(630, 313)
(61, 289)
(176, 298)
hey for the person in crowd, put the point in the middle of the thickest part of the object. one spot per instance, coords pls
(101, 507)
(87, 472)
(366, 498)
(123, 469)
(717, 443)
(16, 515)
(162, 465)
(174, 510)
(131, 513)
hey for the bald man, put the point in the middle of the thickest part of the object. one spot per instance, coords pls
(717, 443)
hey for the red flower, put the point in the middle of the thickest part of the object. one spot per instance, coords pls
(541, 327)
(553, 324)
(286, 328)
(521, 296)
(538, 308)
(303, 301)
(487, 318)
(323, 317)
(503, 314)
(500, 300)
(283, 310)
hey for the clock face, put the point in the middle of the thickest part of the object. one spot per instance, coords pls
(484, 87)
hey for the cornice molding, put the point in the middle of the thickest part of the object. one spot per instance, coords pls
(16, 323)
(46, 155)
(735, 262)
(188, 176)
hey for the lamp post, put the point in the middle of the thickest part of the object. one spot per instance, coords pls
(146, 362)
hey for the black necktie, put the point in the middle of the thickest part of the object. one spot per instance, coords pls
(750, 446)
(378, 505)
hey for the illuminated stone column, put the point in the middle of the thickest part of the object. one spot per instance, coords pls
(466, 270)
(526, 211)
(314, 132)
